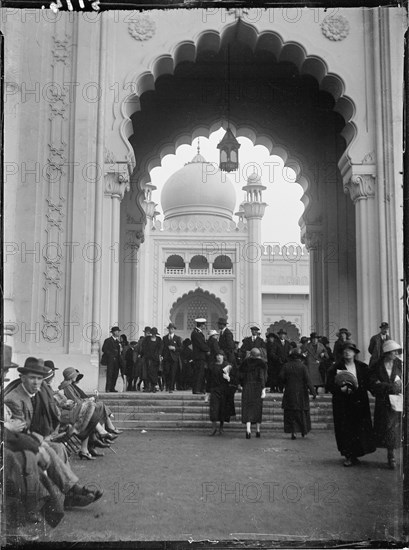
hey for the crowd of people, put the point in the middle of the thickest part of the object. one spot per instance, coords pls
(213, 364)
(42, 426)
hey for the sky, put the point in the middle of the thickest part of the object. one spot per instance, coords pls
(283, 194)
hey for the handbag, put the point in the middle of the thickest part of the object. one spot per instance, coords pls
(396, 401)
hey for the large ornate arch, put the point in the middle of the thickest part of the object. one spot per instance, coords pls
(212, 40)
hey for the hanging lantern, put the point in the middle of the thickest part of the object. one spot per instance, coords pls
(229, 152)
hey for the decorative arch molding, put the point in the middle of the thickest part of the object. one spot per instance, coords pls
(245, 33)
(296, 162)
(293, 331)
(198, 292)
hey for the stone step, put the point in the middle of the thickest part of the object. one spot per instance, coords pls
(183, 410)
(143, 415)
(196, 424)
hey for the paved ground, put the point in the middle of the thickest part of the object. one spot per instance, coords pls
(189, 486)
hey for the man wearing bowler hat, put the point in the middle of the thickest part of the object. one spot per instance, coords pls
(226, 341)
(376, 343)
(111, 357)
(200, 352)
(172, 345)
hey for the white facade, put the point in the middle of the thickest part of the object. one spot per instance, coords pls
(92, 104)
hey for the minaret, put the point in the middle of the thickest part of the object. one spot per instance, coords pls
(254, 207)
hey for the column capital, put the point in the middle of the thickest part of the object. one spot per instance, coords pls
(254, 209)
(360, 186)
(312, 237)
(134, 239)
(116, 178)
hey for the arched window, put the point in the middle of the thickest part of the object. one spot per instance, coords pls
(175, 264)
(223, 264)
(198, 265)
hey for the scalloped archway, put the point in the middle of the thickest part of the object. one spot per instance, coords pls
(194, 304)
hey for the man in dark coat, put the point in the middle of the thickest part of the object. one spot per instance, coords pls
(226, 341)
(376, 343)
(251, 342)
(296, 403)
(280, 353)
(111, 357)
(131, 366)
(151, 353)
(199, 355)
(172, 346)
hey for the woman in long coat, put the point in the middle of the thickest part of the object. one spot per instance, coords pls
(386, 380)
(296, 403)
(252, 376)
(348, 381)
(218, 384)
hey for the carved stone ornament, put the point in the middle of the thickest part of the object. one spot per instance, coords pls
(360, 187)
(142, 27)
(335, 27)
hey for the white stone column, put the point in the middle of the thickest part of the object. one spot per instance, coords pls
(361, 188)
(116, 184)
(254, 210)
(312, 238)
(145, 264)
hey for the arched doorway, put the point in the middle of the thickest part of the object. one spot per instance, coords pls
(194, 304)
(281, 98)
(293, 333)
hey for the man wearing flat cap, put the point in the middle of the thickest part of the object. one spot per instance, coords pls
(200, 352)
(253, 341)
(376, 343)
(172, 346)
(226, 341)
(111, 357)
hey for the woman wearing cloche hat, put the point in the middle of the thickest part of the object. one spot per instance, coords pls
(386, 386)
(348, 381)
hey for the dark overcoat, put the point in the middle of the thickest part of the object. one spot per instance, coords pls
(387, 422)
(252, 376)
(352, 416)
(219, 402)
(296, 402)
(226, 343)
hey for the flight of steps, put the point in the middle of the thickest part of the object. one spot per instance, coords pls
(183, 410)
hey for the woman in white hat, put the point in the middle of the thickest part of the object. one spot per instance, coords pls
(386, 386)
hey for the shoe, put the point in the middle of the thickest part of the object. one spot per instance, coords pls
(93, 452)
(248, 435)
(355, 461)
(101, 444)
(221, 432)
(109, 437)
(257, 434)
(348, 463)
(214, 432)
(114, 431)
(293, 436)
(87, 456)
(78, 500)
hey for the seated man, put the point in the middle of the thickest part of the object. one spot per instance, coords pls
(40, 417)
